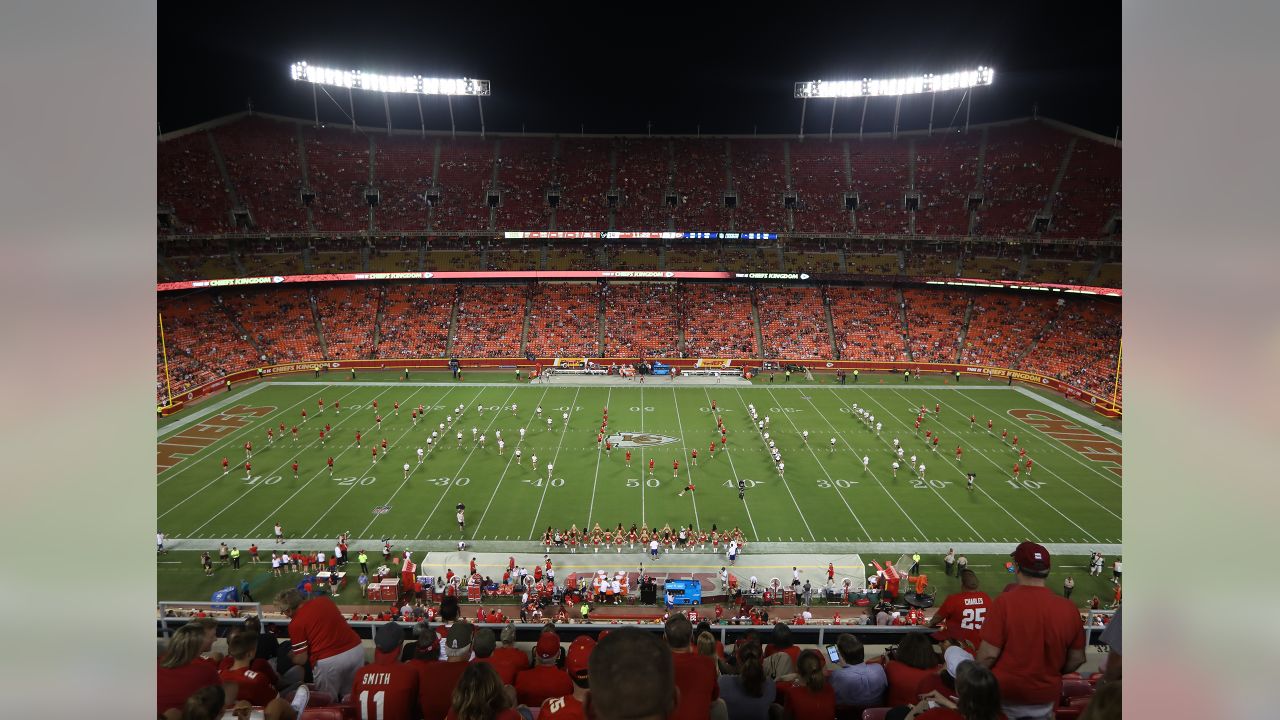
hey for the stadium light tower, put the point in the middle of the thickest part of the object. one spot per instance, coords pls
(867, 88)
(416, 85)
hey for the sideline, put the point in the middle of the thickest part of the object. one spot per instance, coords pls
(1082, 419)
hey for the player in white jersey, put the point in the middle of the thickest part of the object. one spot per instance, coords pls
(896, 443)
(522, 434)
(513, 409)
(539, 411)
(565, 417)
(430, 440)
(921, 471)
(878, 428)
(517, 456)
(406, 471)
(871, 418)
(805, 436)
(459, 438)
(533, 460)
(458, 410)
(497, 434)
(760, 425)
(969, 481)
(420, 454)
(481, 439)
(895, 469)
(781, 467)
(480, 410)
(548, 423)
(550, 467)
(833, 445)
(913, 461)
(441, 429)
(766, 421)
(435, 435)
(449, 419)
(899, 453)
(771, 445)
(501, 445)
(474, 431)
(866, 463)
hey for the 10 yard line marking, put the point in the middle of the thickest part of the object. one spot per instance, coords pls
(494, 494)
(783, 480)
(565, 431)
(734, 470)
(220, 477)
(596, 478)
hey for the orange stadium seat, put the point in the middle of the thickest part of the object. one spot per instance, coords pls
(524, 176)
(759, 180)
(262, 161)
(188, 181)
(564, 320)
(403, 176)
(793, 323)
(347, 315)
(699, 183)
(820, 181)
(1020, 165)
(641, 320)
(1002, 327)
(201, 343)
(282, 323)
(338, 171)
(717, 321)
(1080, 346)
(934, 321)
(489, 320)
(946, 172)
(642, 172)
(880, 179)
(466, 169)
(867, 323)
(415, 320)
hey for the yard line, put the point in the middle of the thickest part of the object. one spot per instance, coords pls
(496, 414)
(1064, 481)
(980, 488)
(565, 431)
(687, 466)
(734, 470)
(245, 494)
(830, 479)
(413, 468)
(501, 477)
(882, 485)
(595, 478)
(246, 432)
(1068, 453)
(783, 480)
(1037, 496)
(222, 477)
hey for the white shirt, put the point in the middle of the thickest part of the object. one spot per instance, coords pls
(513, 407)
(474, 430)
(866, 460)
(833, 442)
(320, 558)
(460, 516)
(535, 459)
(877, 427)
(419, 452)
(481, 438)
(517, 452)
(406, 465)
(895, 466)
(501, 444)
(781, 466)
(497, 434)
(565, 416)
(539, 409)
(921, 468)
(459, 436)
(805, 433)
(895, 442)
(549, 467)
(159, 538)
(653, 544)
(795, 573)
(522, 432)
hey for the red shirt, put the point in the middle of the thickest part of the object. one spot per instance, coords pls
(436, 681)
(319, 629)
(675, 465)
(1034, 629)
(628, 456)
(793, 652)
(650, 464)
(966, 611)
(694, 453)
(504, 714)
(804, 703)
(511, 656)
(295, 468)
(699, 686)
(941, 713)
(175, 685)
(903, 681)
(932, 682)
(539, 683)
(255, 686)
(563, 708)
(505, 670)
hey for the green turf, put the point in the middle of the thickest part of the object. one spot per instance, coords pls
(825, 496)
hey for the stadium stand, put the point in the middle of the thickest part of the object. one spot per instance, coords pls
(338, 173)
(811, 257)
(1020, 165)
(934, 321)
(524, 173)
(946, 171)
(759, 180)
(466, 169)
(402, 170)
(347, 315)
(640, 319)
(262, 160)
(793, 322)
(1057, 271)
(717, 321)
(1090, 191)
(487, 317)
(270, 257)
(280, 321)
(393, 255)
(699, 257)
(188, 180)
(1003, 326)
(700, 183)
(860, 264)
(880, 179)
(451, 255)
(867, 323)
(569, 257)
(513, 257)
(1080, 346)
(933, 259)
(415, 320)
(818, 177)
(201, 342)
(336, 256)
(632, 257)
(564, 319)
(643, 177)
(749, 258)
(582, 172)
(1109, 276)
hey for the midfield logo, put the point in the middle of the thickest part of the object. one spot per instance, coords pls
(639, 440)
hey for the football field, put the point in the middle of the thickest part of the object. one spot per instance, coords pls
(1072, 495)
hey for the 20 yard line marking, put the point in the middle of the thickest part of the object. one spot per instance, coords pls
(572, 404)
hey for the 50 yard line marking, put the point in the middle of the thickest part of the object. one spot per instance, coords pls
(494, 494)
(565, 431)
(596, 478)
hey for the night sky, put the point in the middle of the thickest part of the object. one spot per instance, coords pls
(556, 67)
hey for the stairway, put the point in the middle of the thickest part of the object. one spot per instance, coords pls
(1035, 341)
(306, 175)
(1092, 277)
(755, 323)
(964, 329)
(555, 178)
(911, 181)
(493, 182)
(422, 256)
(786, 168)
(977, 181)
(671, 185)
(728, 180)
(244, 332)
(308, 266)
(600, 343)
(524, 325)
(1057, 179)
(315, 315)
(222, 171)
(453, 323)
(831, 326)
(613, 185)
(377, 320)
(906, 328)
(435, 177)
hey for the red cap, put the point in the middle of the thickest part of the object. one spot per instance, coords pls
(1033, 557)
(548, 645)
(579, 652)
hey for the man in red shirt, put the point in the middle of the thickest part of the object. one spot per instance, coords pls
(544, 680)
(295, 470)
(695, 674)
(437, 680)
(675, 468)
(256, 684)
(508, 654)
(964, 612)
(571, 707)
(651, 468)
(321, 637)
(628, 458)
(225, 464)
(1031, 638)
(483, 644)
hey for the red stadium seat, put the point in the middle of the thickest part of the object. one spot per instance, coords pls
(875, 713)
(330, 712)
(1072, 689)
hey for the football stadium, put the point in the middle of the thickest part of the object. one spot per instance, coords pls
(819, 422)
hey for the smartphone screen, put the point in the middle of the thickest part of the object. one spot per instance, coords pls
(833, 653)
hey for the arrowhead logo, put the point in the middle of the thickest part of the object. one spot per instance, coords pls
(639, 440)
(277, 279)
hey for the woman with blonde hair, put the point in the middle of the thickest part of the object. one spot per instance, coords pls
(479, 695)
(707, 646)
(181, 672)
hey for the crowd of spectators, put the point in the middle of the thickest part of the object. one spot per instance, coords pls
(643, 177)
(189, 182)
(946, 172)
(524, 177)
(819, 179)
(1002, 327)
(464, 179)
(700, 184)
(201, 345)
(415, 320)
(1018, 172)
(564, 319)
(582, 174)
(263, 162)
(281, 323)
(880, 179)
(717, 321)
(1080, 346)
(759, 181)
(1090, 191)
(347, 318)
(793, 322)
(403, 170)
(640, 319)
(490, 320)
(867, 323)
(338, 173)
(934, 322)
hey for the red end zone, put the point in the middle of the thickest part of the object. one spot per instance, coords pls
(1084, 441)
(179, 447)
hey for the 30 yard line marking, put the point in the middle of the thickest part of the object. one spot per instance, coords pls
(830, 479)
(596, 477)
(494, 494)
(565, 431)
(497, 413)
(688, 467)
(783, 481)
(222, 477)
(734, 470)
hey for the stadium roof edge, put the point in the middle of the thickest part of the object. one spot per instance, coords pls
(381, 130)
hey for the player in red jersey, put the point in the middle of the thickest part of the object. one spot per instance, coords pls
(375, 407)
(599, 439)
(651, 468)
(1015, 440)
(608, 448)
(928, 434)
(320, 405)
(248, 470)
(357, 438)
(1016, 469)
(713, 406)
(330, 466)
(959, 452)
(831, 573)
(384, 444)
(973, 422)
(1028, 467)
(989, 424)
(1004, 435)
(917, 426)
(375, 453)
(935, 443)
(1022, 453)
(937, 409)
(248, 450)
(396, 407)
(687, 488)
(328, 428)
(321, 437)
(387, 688)
(337, 405)
(675, 468)
(606, 411)
(415, 417)
(723, 441)
(295, 469)
(628, 458)
(694, 455)
(281, 429)
(271, 436)
(304, 416)
(711, 449)
(295, 433)
(378, 419)
(225, 465)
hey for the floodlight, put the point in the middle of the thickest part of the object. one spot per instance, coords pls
(889, 87)
(378, 82)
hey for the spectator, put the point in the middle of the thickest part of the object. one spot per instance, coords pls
(695, 674)
(483, 645)
(255, 684)
(707, 643)
(205, 703)
(576, 663)
(944, 681)
(508, 653)
(1031, 638)
(1106, 703)
(392, 686)
(906, 666)
(320, 636)
(857, 683)
(780, 644)
(1112, 638)
(809, 695)
(979, 697)
(479, 695)
(182, 671)
(748, 694)
(543, 680)
(953, 610)
(632, 677)
(437, 680)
